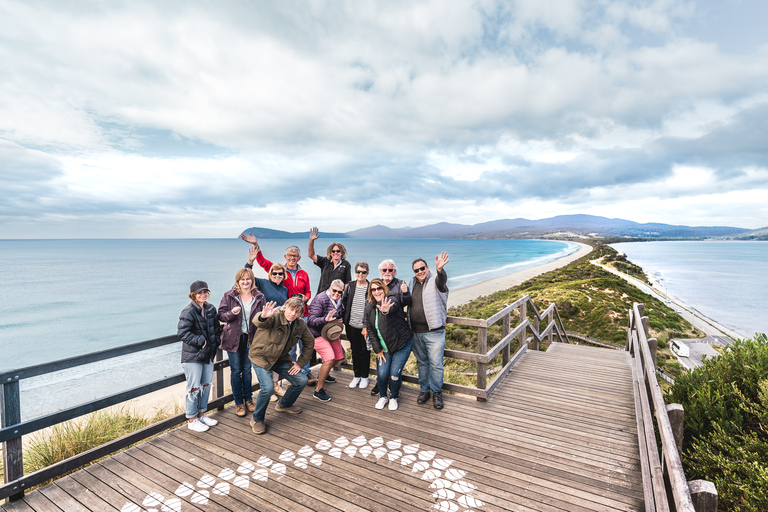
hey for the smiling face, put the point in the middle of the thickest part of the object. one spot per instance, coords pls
(335, 292)
(388, 273)
(276, 275)
(201, 297)
(377, 292)
(245, 283)
(336, 254)
(292, 314)
(420, 270)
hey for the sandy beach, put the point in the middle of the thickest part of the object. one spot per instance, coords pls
(175, 393)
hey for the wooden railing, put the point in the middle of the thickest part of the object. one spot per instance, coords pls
(526, 333)
(664, 482)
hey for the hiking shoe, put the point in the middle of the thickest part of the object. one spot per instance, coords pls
(437, 400)
(240, 410)
(197, 426)
(382, 402)
(322, 396)
(393, 404)
(354, 382)
(279, 391)
(330, 379)
(207, 421)
(311, 380)
(364, 382)
(250, 406)
(423, 397)
(375, 390)
(291, 409)
(258, 427)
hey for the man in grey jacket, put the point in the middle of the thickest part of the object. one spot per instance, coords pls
(427, 315)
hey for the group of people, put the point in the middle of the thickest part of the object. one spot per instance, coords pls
(274, 325)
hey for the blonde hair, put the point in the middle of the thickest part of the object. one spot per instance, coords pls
(244, 272)
(328, 252)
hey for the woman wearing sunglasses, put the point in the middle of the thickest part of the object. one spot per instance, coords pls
(391, 338)
(332, 265)
(354, 299)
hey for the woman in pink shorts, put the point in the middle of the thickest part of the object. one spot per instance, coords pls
(325, 323)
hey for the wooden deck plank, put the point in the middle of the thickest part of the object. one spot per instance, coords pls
(558, 434)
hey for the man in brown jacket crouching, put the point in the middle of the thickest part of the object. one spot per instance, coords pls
(278, 330)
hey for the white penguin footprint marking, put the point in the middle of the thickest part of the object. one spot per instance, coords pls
(420, 466)
(300, 463)
(221, 489)
(380, 452)
(411, 448)
(335, 452)
(341, 442)
(351, 451)
(407, 459)
(376, 442)
(366, 450)
(153, 499)
(264, 461)
(184, 490)
(227, 474)
(306, 451)
(171, 505)
(316, 459)
(394, 445)
(287, 456)
(241, 481)
(323, 445)
(260, 475)
(245, 467)
(359, 441)
(206, 481)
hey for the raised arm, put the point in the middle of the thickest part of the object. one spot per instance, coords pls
(313, 235)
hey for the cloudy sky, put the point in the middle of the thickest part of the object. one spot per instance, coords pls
(200, 119)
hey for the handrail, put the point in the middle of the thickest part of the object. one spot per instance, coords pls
(661, 477)
(13, 428)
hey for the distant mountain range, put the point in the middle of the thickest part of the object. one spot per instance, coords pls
(561, 226)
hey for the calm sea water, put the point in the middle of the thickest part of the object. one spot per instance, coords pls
(61, 298)
(726, 281)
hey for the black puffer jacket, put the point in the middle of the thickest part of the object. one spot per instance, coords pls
(199, 334)
(393, 326)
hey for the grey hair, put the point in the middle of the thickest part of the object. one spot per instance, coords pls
(388, 262)
(337, 282)
(293, 248)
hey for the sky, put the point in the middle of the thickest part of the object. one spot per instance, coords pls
(189, 119)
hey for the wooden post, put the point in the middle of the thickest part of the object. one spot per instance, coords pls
(523, 317)
(653, 345)
(646, 325)
(13, 461)
(506, 327)
(629, 333)
(218, 391)
(703, 495)
(549, 321)
(676, 415)
(482, 348)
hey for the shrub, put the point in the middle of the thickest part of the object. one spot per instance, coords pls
(726, 424)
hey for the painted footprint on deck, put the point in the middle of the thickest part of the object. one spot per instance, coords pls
(446, 484)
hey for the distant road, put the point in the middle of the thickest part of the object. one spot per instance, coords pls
(701, 322)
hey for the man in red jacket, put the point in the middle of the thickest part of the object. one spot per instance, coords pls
(296, 280)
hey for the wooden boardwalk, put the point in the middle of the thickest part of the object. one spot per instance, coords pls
(558, 434)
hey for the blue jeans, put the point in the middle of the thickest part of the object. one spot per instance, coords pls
(295, 354)
(429, 347)
(298, 383)
(391, 370)
(199, 376)
(240, 375)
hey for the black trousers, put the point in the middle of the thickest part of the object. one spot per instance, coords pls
(361, 356)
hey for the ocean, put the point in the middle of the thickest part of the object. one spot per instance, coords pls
(61, 298)
(726, 281)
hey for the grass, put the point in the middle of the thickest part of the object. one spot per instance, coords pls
(70, 438)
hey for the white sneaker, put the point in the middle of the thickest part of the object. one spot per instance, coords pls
(197, 425)
(393, 404)
(364, 383)
(379, 405)
(354, 382)
(207, 420)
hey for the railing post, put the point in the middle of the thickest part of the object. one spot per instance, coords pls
(506, 327)
(218, 391)
(676, 415)
(13, 458)
(629, 333)
(703, 495)
(523, 317)
(549, 321)
(482, 348)
(653, 345)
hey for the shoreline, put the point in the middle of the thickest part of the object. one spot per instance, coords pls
(463, 295)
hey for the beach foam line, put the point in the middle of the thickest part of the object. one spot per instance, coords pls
(464, 295)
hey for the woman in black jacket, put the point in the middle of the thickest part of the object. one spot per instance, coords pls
(391, 338)
(199, 331)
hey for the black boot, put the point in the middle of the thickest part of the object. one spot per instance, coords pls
(437, 400)
(375, 390)
(423, 397)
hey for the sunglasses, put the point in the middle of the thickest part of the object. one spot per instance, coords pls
(336, 250)
(364, 272)
(385, 270)
(336, 292)
(417, 270)
(278, 274)
(376, 288)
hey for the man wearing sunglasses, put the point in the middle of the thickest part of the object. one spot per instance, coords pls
(427, 315)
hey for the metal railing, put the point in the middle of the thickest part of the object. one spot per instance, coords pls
(664, 483)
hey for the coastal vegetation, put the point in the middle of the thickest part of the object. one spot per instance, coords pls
(726, 424)
(591, 302)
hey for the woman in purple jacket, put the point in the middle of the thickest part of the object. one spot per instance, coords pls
(237, 310)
